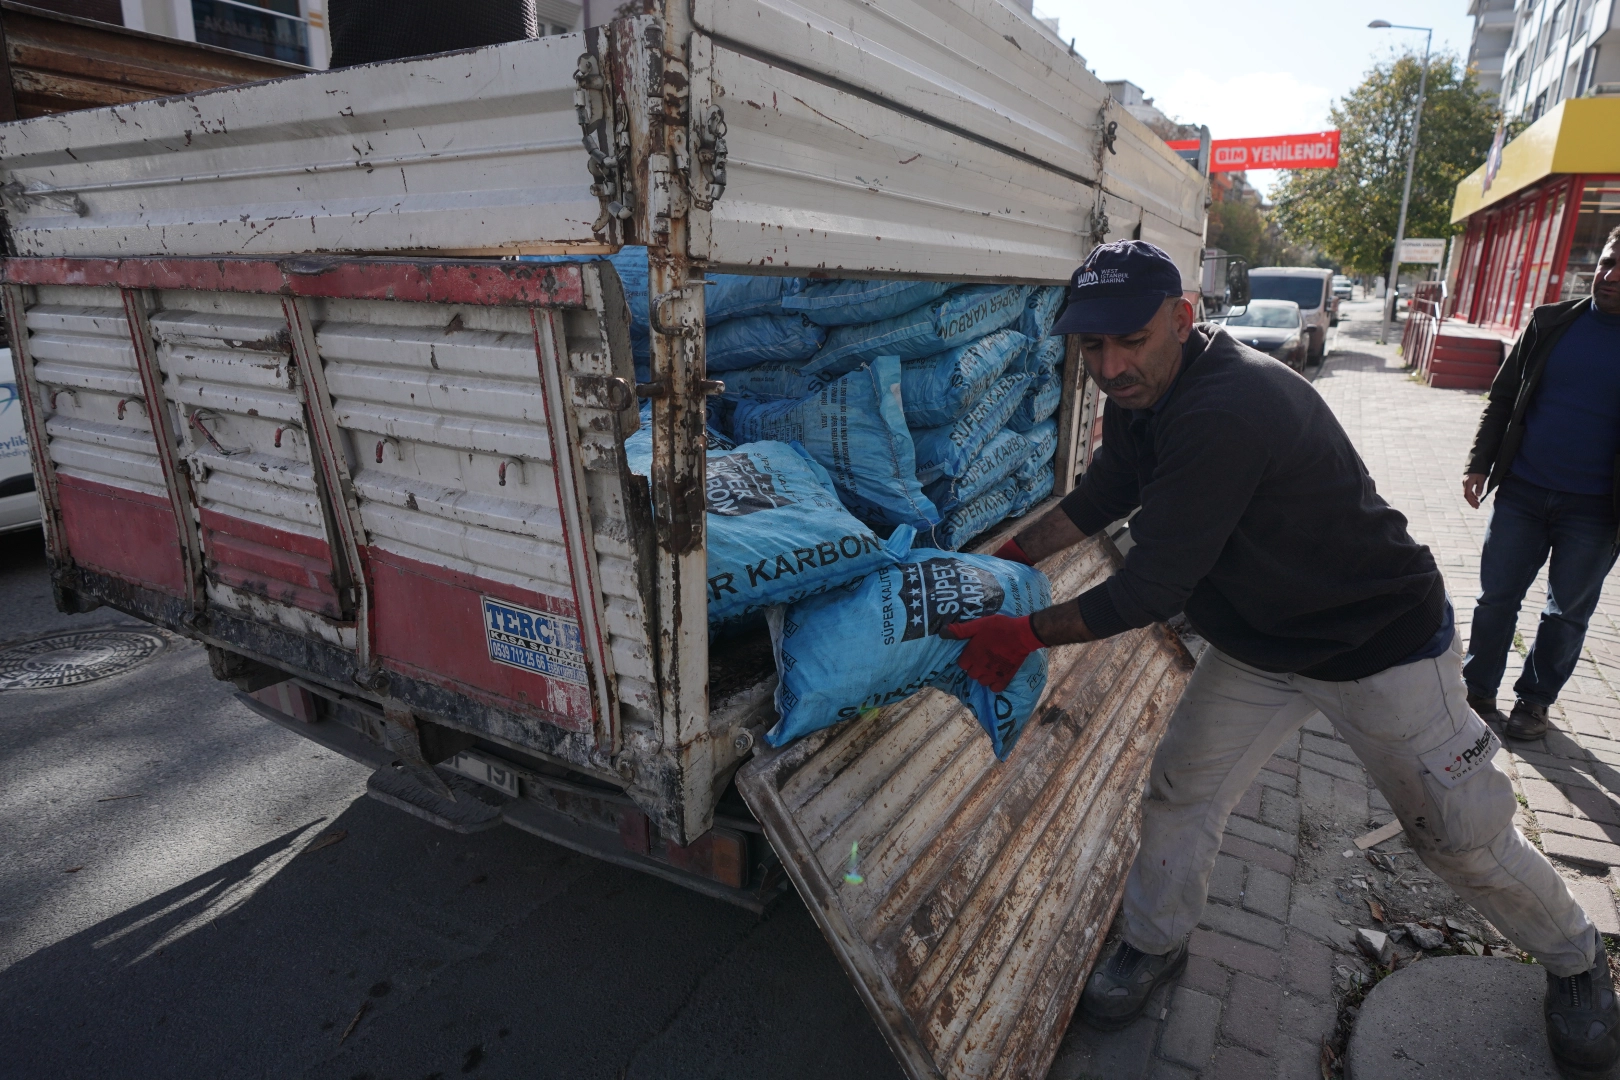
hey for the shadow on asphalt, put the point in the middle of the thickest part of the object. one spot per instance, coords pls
(493, 955)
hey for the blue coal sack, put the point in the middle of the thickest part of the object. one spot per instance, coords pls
(961, 315)
(758, 339)
(877, 641)
(847, 302)
(776, 531)
(939, 388)
(856, 428)
(948, 450)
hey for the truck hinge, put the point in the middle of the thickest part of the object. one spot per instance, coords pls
(607, 146)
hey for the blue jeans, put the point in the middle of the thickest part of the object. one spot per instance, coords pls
(1527, 523)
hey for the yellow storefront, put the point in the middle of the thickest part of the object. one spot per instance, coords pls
(1535, 230)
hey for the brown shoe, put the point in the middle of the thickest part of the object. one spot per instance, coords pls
(1527, 721)
(1487, 710)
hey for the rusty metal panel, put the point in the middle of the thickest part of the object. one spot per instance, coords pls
(451, 421)
(108, 502)
(234, 397)
(966, 898)
(469, 151)
(60, 63)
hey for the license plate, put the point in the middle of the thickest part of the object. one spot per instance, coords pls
(481, 769)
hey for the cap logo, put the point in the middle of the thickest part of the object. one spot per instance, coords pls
(1105, 276)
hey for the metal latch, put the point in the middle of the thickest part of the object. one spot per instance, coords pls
(708, 179)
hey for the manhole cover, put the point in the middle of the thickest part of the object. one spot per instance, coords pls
(78, 657)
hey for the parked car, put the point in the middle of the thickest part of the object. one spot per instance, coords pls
(19, 503)
(1274, 327)
(1307, 286)
(1343, 287)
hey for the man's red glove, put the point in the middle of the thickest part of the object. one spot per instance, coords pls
(997, 647)
(1013, 553)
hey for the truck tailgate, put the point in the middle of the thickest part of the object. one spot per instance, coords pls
(967, 898)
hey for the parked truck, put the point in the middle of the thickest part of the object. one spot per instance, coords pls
(293, 397)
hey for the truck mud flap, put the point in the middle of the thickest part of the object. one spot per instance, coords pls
(967, 898)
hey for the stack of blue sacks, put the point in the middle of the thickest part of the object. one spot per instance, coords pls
(866, 423)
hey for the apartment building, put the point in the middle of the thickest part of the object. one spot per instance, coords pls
(1556, 49)
(1493, 33)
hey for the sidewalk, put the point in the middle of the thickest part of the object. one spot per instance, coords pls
(1274, 971)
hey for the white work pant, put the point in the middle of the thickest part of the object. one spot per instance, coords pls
(1426, 750)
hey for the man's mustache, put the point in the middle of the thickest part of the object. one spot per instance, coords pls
(1118, 382)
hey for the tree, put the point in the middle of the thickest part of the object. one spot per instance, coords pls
(1350, 213)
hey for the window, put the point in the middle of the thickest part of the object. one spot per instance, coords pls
(1599, 212)
(1518, 73)
(1541, 107)
(272, 28)
(1583, 17)
(1555, 28)
(1306, 291)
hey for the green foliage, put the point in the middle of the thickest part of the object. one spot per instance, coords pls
(1350, 213)
(1236, 228)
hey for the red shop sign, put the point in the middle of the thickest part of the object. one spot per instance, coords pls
(1317, 150)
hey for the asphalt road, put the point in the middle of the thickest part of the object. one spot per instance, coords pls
(189, 926)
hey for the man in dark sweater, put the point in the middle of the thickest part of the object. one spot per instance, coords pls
(1256, 518)
(1548, 443)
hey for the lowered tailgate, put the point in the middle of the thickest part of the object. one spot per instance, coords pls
(966, 898)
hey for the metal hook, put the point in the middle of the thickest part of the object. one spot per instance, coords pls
(69, 391)
(517, 467)
(122, 402)
(293, 424)
(197, 422)
(391, 442)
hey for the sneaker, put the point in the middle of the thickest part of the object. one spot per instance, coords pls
(1527, 721)
(1122, 982)
(1487, 710)
(1583, 1021)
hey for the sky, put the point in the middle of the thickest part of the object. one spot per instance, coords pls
(1249, 67)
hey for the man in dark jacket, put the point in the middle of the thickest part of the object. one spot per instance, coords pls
(1256, 518)
(1548, 443)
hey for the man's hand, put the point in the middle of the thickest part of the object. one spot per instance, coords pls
(1474, 488)
(1051, 533)
(997, 647)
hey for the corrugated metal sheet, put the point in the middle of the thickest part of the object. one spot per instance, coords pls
(465, 151)
(967, 898)
(980, 68)
(58, 63)
(240, 426)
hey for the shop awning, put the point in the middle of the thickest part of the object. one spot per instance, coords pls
(1578, 135)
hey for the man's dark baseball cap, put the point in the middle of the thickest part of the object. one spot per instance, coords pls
(1118, 289)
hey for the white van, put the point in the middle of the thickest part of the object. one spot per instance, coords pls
(19, 503)
(1311, 288)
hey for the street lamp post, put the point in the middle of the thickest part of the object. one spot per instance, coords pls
(1392, 290)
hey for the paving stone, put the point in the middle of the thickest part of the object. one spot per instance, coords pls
(1253, 1009)
(1236, 1063)
(1279, 810)
(1309, 759)
(1243, 924)
(1377, 803)
(1249, 805)
(1266, 893)
(1088, 1054)
(1596, 898)
(1304, 1018)
(1226, 881)
(1332, 748)
(1479, 1016)
(1318, 724)
(1257, 854)
(1318, 917)
(1296, 1059)
(1580, 850)
(1264, 834)
(1574, 826)
(1575, 755)
(1189, 1033)
(1235, 954)
(1164, 1070)
(1282, 765)
(1202, 973)
(1277, 781)
(1308, 967)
